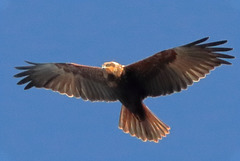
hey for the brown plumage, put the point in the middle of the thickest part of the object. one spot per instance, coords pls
(163, 73)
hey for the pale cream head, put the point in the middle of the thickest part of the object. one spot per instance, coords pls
(113, 68)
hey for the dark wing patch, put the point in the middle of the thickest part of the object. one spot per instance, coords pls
(67, 78)
(175, 69)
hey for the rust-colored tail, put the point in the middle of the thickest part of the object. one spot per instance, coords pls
(149, 129)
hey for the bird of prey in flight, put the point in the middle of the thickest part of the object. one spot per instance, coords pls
(161, 74)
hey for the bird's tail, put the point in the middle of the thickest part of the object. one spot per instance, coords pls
(149, 129)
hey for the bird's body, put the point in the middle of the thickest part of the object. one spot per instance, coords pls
(164, 73)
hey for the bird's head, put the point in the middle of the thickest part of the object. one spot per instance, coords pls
(113, 68)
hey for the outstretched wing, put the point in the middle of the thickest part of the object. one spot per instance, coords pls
(174, 69)
(67, 78)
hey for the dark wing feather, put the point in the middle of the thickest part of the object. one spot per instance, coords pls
(67, 78)
(174, 69)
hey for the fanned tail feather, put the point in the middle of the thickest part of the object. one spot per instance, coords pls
(149, 129)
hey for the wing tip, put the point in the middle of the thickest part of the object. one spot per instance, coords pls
(16, 76)
(205, 38)
(30, 62)
(197, 42)
(25, 67)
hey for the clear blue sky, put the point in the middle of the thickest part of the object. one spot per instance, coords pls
(40, 125)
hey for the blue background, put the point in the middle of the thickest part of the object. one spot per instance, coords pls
(40, 125)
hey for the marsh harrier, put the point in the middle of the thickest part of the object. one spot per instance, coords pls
(161, 74)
